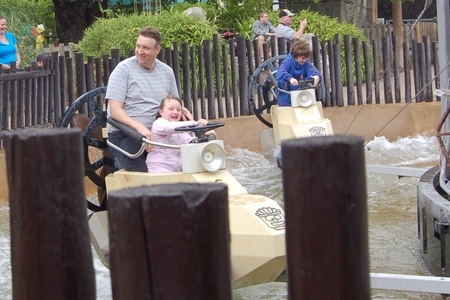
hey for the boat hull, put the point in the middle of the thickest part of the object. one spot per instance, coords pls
(433, 210)
(257, 225)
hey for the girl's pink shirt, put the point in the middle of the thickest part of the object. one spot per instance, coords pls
(163, 160)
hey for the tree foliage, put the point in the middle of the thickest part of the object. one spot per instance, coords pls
(121, 32)
(21, 17)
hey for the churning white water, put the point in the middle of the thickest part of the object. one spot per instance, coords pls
(393, 242)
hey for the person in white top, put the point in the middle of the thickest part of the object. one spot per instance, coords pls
(285, 31)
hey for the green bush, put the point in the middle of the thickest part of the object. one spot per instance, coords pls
(121, 32)
(21, 16)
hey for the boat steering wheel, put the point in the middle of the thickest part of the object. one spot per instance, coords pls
(96, 166)
(263, 88)
(200, 131)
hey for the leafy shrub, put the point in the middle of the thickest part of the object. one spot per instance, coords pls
(121, 32)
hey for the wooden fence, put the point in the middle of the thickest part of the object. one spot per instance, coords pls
(213, 79)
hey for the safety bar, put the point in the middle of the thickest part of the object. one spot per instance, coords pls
(137, 136)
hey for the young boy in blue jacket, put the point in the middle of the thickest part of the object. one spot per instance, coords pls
(294, 68)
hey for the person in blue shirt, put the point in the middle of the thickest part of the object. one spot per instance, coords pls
(296, 67)
(9, 52)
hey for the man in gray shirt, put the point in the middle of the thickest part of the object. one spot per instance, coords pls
(285, 31)
(262, 30)
(135, 89)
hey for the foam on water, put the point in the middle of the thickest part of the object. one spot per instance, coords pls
(416, 150)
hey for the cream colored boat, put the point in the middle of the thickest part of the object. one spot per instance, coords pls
(257, 224)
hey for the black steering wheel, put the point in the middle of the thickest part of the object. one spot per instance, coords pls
(200, 131)
(263, 88)
(100, 163)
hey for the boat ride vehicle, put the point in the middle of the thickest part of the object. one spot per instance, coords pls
(304, 118)
(256, 222)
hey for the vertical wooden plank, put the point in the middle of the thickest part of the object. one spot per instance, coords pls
(326, 73)
(70, 80)
(89, 79)
(234, 77)
(244, 106)
(316, 54)
(326, 224)
(28, 104)
(175, 55)
(358, 70)
(211, 109)
(338, 74)
(226, 82)
(422, 71)
(386, 69)
(58, 100)
(201, 72)
(51, 254)
(21, 103)
(98, 72)
(333, 78)
(80, 79)
(257, 56)
(106, 70)
(282, 46)
(186, 76)
(396, 69)
(61, 84)
(253, 60)
(180, 246)
(427, 68)
(368, 72)
(13, 103)
(41, 116)
(218, 75)
(407, 64)
(437, 81)
(194, 78)
(115, 56)
(376, 70)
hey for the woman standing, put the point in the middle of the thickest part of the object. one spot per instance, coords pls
(9, 52)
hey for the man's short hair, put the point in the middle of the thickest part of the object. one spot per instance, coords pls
(285, 12)
(152, 33)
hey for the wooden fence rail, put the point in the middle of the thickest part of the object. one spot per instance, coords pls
(213, 79)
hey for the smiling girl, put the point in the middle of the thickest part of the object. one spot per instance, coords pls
(171, 114)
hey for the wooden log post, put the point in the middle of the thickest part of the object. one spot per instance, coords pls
(51, 255)
(170, 242)
(324, 183)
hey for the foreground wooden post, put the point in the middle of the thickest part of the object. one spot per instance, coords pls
(324, 183)
(51, 255)
(170, 242)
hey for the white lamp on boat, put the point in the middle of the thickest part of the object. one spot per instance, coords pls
(303, 98)
(203, 157)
